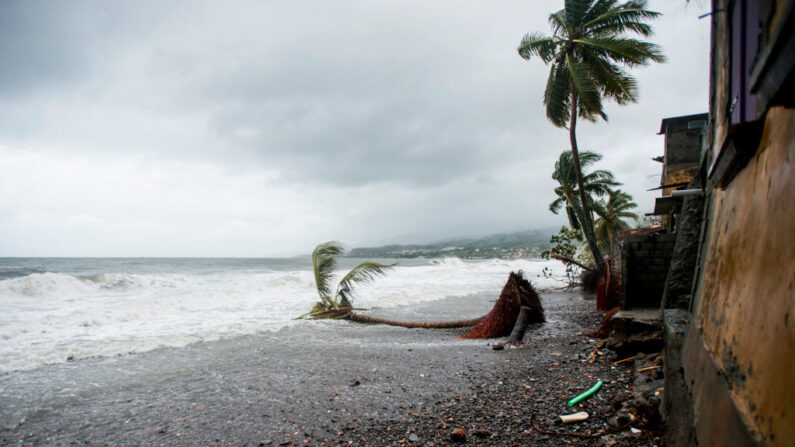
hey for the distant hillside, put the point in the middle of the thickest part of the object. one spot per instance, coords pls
(524, 244)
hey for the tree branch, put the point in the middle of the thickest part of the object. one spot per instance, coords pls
(572, 261)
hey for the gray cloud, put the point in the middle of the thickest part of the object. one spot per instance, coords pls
(413, 118)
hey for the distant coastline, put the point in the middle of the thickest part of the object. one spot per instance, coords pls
(518, 245)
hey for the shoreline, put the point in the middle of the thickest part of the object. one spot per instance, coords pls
(352, 384)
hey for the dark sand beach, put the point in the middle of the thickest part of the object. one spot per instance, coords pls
(333, 383)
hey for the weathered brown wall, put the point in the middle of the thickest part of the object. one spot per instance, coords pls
(676, 174)
(745, 300)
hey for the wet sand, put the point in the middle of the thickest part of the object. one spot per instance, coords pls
(330, 383)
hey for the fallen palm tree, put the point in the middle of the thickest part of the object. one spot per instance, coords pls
(359, 318)
(340, 304)
(517, 292)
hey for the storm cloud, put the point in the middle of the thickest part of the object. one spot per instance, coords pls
(262, 128)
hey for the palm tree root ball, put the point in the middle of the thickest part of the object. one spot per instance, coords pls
(499, 322)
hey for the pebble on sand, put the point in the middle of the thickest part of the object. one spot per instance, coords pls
(458, 435)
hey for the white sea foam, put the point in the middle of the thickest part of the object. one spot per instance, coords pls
(48, 317)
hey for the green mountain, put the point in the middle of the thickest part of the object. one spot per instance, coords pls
(523, 244)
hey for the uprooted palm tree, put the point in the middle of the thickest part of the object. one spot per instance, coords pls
(516, 293)
(340, 304)
(588, 51)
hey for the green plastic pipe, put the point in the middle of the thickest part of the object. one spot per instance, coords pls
(585, 395)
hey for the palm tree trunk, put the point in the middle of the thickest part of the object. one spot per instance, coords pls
(587, 224)
(563, 258)
(359, 318)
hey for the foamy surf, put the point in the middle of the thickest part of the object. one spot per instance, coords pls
(53, 316)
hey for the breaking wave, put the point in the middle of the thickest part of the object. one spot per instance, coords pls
(49, 317)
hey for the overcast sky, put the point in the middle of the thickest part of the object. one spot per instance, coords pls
(263, 128)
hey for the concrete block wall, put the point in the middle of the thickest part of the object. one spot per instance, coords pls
(645, 261)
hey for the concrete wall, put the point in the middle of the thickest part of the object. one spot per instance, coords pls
(645, 262)
(682, 143)
(745, 301)
(679, 282)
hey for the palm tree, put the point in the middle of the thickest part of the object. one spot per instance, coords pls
(596, 183)
(340, 304)
(587, 52)
(324, 262)
(611, 217)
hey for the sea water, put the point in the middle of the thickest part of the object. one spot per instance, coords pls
(59, 309)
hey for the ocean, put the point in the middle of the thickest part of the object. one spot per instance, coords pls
(59, 309)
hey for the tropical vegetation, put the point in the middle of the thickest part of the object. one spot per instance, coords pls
(565, 244)
(596, 183)
(324, 263)
(588, 52)
(339, 305)
(612, 213)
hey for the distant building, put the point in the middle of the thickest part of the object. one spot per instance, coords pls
(684, 139)
(646, 252)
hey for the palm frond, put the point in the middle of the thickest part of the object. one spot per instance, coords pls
(575, 11)
(556, 204)
(557, 20)
(574, 218)
(627, 215)
(324, 261)
(611, 214)
(598, 190)
(565, 173)
(630, 52)
(600, 177)
(537, 44)
(598, 8)
(584, 87)
(365, 272)
(556, 95)
(600, 208)
(587, 158)
(614, 82)
(628, 17)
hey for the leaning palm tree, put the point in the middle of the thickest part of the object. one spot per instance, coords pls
(611, 217)
(588, 51)
(596, 183)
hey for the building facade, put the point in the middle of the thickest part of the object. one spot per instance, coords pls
(730, 354)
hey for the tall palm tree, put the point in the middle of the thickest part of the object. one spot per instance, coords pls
(611, 217)
(596, 183)
(588, 51)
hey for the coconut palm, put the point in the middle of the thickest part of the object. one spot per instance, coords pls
(596, 183)
(588, 51)
(340, 303)
(324, 262)
(611, 217)
(516, 293)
